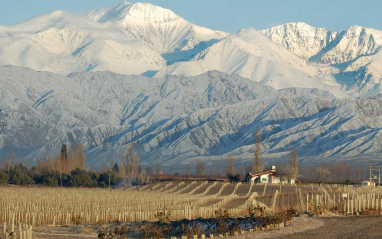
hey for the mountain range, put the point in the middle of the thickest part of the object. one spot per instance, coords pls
(138, 73)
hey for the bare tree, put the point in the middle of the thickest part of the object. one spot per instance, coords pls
(158, 168)
(200, 167)
(9, 161)
(149, 170)
(244, 170)
(104, 166)
(323, 173)
(122, 169)
(77, 157)
(62, 162)
(293, 162)
(130, 165)
(259, 165)
(133, 161)
(230, 165)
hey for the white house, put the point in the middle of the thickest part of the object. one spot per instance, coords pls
(368, 183)
(268, 176)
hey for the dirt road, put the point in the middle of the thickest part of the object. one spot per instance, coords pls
(367, 227)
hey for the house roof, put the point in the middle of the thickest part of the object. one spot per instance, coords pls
(272, 171)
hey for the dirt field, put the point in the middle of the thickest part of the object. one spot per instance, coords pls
(316, 228)
(42, 232)
(343, 227)
(367, 227)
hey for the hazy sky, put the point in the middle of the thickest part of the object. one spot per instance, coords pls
(226, 15)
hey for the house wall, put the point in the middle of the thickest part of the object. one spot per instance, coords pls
(368, 183)
(269, 178)
(264, 178)
(274, 179)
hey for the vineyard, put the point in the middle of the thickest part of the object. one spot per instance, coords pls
(71, 206)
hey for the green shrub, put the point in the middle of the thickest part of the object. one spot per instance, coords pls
(51, 181)
(22, 179)
(103, 180)
(81, 178)
(4, 177)
(233, 178)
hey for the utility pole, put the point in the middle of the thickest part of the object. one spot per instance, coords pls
(370, 172)
(109, 174)
(375, 168)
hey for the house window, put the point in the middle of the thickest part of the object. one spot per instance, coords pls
(264, 179)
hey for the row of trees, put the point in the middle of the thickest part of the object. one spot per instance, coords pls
(130, 170)
(68, 169)
(338, 172)
(66, 161)
(20, 175)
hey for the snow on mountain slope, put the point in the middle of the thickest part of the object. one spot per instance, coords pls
(107, 101)
(252, 55)
(62, 43)
(144, 39)
(301, 38)
(127, 38)
(356, 41)
(323, 46)
(350, 56)
(177, 119)
(161, 29)
(363, 76)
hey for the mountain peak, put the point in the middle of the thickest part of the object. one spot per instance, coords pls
(295, 26)
(300, 38)
(152, 13)
(142, 11)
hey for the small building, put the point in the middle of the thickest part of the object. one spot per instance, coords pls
(368, 183)
(268, 176)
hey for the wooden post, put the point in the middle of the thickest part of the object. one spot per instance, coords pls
(352, 207)
(334, 201)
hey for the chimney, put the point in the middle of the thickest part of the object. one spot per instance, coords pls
(273, 168)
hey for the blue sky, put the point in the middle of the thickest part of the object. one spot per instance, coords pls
(226, 15)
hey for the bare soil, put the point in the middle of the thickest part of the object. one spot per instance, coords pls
(301, 224)
(368, 227)
(42, 232)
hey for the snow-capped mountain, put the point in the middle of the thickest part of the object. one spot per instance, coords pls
(144, 39)
(252, 55)
(178, 119)
(62, 43)
(161, 29)
(128, 38)
(304, 86)
(353, 55)
(320, 45)
(300, 38)
(355, 42)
